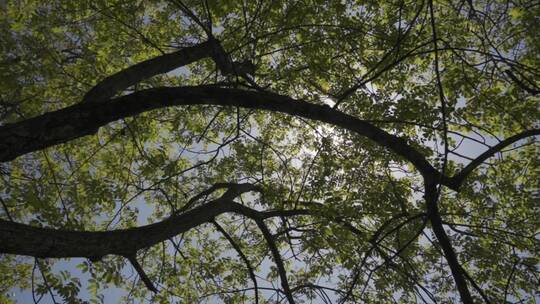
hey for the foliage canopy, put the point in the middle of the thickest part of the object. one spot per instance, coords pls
(270, 151)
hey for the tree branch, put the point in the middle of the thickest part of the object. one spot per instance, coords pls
(459, 178)
(134, 74)
(442, 98)
(277, 259)
(476, 286)
(431, 198)
(395, 49)
(243, 257)
(133, 260)
(120, 81)
(22, 239)
(82, 119)
(6, 209)
(233, 190)
(521, 84)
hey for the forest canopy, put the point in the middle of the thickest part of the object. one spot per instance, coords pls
(270, 151)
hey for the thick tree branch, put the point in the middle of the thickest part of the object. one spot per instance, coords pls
(21, 239)
(82, 119)
(116, 83)
(459, 178)
(16, 238)
(134, 74)
(431, 197)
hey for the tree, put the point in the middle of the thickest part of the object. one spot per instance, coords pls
(271, 151)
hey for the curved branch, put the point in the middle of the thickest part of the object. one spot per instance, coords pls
(22, 239)
(120, 81)
(457, 180)
(83, 119)
(16, 238)
(136, 73)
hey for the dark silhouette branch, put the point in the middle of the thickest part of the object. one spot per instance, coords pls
(521, 84)
(116, 83)
(6, 209)
(45, 280)
(476, 286)
(133, 260)
(277, 259)
(394, 50)
(460, 177)
(509, 280)
(22, 239)
(440, 90)
(244, 258)
(233, 190)
(82, 119)
(16, 238)
(120, 81)
(185, 9)
(431, 198)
